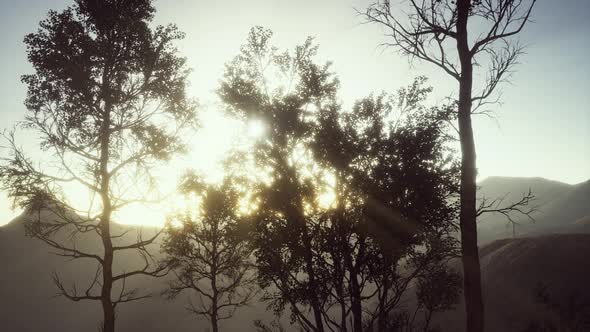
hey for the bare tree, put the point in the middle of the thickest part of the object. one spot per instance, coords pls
(210, 254)
(436, 31)
(522, 208)
(108, 100)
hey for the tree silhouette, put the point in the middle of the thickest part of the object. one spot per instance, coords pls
(210, 253)
(436, 31)
(285, 226)
(393, 179)
(391, 176)
(521, 208)
(437, 290)
(108, 100)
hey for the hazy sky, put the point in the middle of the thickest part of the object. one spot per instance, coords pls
(542, 128)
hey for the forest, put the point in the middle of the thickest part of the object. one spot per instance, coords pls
(332, 217)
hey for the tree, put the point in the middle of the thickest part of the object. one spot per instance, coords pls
(209, 252)
(392, 218)
(522, 208)
(437, 290)
(391, 178)
(436, 31)
(281, 89)
(108, 101)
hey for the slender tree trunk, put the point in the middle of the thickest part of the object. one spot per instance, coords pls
(343, 327)
(339, 260)
(386, 286)
(357, 309)
(470, 256)
(355, 295)
(214, 314)
(340, 291)
(107, 282)
(382, 318)
(313, 285)
(105, 220)
(295, 213)
(214, 300)
(354, 287)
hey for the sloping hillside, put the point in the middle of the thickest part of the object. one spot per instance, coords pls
(513, 270)
(559, 206)
(570, 206)
(27, 302)
(545, 190)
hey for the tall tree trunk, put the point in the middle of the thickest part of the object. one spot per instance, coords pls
(343, 327)
(355, 293)
(105, 220)
(313, 284)
(296, 213)
(339, 285)
(214, 266)
(382, 318)
(340, 252)
(214, 313)
(107, 281)
(470, 257)
(357, 309)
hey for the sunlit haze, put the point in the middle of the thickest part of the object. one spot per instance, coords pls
(541, 129)
(294, 165)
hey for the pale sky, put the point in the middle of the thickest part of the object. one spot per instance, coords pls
(542, 127)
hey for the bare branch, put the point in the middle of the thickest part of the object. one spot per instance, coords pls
(73, 294)
(521, 208)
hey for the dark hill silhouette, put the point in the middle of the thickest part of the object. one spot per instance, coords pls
(27, 301)
(513, 270)
(570, 206)
(560, 205)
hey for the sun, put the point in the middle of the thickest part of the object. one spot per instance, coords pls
(256, 128)
(208, 147)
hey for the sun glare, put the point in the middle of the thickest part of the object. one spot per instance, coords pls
(256, 129)
(208, 148)
(327, 199)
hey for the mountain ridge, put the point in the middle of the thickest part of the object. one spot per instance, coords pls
(25, 284)
(558, 206)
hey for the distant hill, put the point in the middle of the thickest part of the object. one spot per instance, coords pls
(513, 270)
(544, 189)
(27, 302)
(559, 206)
